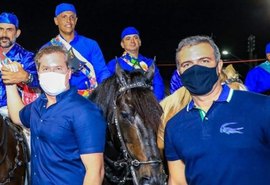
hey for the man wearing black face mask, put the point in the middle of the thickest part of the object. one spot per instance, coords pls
(213, 140)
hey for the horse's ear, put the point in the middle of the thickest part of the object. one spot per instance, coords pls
(120, 73)
(151, 70)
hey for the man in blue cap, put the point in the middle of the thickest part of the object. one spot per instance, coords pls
(258, 78)
(17, 64)
(87, 61)
(131, 59)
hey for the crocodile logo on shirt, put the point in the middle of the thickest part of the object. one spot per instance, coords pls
(228, 128)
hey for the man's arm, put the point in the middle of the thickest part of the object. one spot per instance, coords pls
(14, 103)
(94, 166)
(176, 173)
(99, 63)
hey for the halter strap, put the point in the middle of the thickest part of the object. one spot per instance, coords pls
(231, 80)
(135, 85)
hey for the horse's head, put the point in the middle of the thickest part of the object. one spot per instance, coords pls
(138, 115)
(133, 123)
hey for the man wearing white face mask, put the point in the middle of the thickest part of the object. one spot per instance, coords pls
(71, 145)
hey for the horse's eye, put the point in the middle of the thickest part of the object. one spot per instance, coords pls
(127, 117)
(124, 115)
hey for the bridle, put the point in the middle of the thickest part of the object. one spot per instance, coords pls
(233, 79)
(128, 161)
(20, 141)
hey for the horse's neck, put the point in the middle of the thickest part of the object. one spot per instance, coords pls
(174, 103)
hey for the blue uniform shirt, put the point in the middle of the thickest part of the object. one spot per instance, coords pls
(175, 82)
(60, 134)
(258, 79)
(91, 51)
(157, 80)
(230, 144)
(26, 58)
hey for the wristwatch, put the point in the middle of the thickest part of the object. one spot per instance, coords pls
(29, 80)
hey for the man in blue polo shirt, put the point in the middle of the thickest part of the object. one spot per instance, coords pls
(131, 59)
(67, 130)
(222, 137)
(87, 62)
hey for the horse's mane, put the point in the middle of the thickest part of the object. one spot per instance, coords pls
(103, 96)
(231, 77)
(181, 97)
(142, 99)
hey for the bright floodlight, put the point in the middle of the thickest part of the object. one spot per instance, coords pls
(225, 52)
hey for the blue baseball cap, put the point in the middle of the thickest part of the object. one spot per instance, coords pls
(9, 18)
(129, 31)
(267, 48)
(64, 7)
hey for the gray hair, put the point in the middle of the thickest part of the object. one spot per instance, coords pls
(194, 40)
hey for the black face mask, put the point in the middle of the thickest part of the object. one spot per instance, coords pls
(199, 80)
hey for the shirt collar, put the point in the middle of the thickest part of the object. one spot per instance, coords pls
(74, 39)
(127, 56)
(13, 51)
(60, 96)
(225, 96)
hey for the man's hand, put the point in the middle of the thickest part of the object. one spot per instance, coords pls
(14, 73)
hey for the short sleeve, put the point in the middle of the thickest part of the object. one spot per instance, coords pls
(90, 130)
(170, 150)
(25, 115)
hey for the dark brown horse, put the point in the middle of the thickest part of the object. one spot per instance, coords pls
(133, 116)
(13, 154)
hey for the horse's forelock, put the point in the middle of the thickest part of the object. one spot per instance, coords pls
(146, 106)
(144, 101)
(141, 98)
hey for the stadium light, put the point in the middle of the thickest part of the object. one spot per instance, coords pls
(226, 53)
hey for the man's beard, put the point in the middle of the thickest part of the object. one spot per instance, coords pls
(8, 43)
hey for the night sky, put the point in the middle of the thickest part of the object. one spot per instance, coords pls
(162, 23)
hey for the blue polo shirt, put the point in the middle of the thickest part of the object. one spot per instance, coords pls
(60, 134)
(230, 144)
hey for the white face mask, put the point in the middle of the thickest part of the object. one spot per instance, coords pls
(52, 83)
